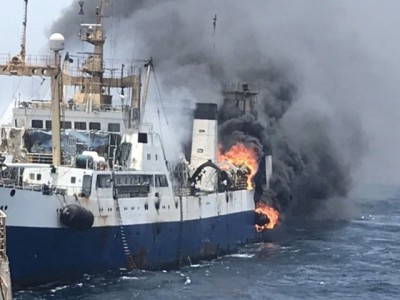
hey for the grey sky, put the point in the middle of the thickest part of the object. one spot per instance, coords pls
(346, 53)
(41, 15)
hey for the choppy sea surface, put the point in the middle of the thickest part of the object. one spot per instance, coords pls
(356, 258)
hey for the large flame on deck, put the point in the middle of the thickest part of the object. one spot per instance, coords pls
(241, 156)
(271, 214)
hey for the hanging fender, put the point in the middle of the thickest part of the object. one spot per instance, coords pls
(76, 217)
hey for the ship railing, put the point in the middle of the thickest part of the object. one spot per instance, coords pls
(241, 87)
(70, 106)
(113, 68)
(31, 60)
(39, 158)
(6, 182)
(48, 189)
(184, 191)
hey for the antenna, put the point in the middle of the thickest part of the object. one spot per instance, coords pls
(100, 12)
(23, 42)
(214, 30)
(81, 3)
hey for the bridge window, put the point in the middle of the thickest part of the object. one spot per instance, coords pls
(48, 125)
(37, 123)
(94, 126)
(161, 181)
(66, 125)
(80, 125)
(126, 180)
(114, 127)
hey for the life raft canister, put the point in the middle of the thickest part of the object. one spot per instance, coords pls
(76, 217)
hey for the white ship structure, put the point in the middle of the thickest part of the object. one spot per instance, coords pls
(86, 185)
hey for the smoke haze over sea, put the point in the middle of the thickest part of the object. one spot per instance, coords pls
(310, 68)
(320, 81)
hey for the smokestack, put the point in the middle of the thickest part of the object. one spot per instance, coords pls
(204, 141)
(205, 134)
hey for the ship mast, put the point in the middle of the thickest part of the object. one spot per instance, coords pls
(56, 44)
(92, 81)
(23, 42)
(17, 66)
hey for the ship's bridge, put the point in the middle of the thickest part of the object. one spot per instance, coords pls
(36, 114)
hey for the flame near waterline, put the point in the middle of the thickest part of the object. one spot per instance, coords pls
(241, 156)
(270, 213)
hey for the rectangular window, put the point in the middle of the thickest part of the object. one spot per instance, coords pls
(80, 125)
(66, 125)
(86, 185)
(103, 181)
(32, 176)
(38, 176)
(202, 130)
(48, 125)
(161, 181)
(114, 127)
(37, 124)
(73, 179)
(199, 150)
(142, 138)
(148, 156)
(126, 180)
(94, 126)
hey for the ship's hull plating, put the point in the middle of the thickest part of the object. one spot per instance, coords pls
(40, 255)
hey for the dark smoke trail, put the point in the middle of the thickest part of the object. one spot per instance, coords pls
(308, 166)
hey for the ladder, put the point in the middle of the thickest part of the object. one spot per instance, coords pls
(130, 262)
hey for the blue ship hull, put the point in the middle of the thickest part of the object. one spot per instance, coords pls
(40, 255)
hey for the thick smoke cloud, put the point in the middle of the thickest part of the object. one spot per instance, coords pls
(289, 52)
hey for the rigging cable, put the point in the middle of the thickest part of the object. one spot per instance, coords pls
(10, 101)
(159, 95)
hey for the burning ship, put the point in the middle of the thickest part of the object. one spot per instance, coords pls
(87, 187)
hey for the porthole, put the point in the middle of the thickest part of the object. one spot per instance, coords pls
(5, 207)
(12, 193)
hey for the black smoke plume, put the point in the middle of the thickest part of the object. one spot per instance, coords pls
(194, 58)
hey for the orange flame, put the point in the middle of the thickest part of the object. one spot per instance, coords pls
(272, 215)
(239, 155)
